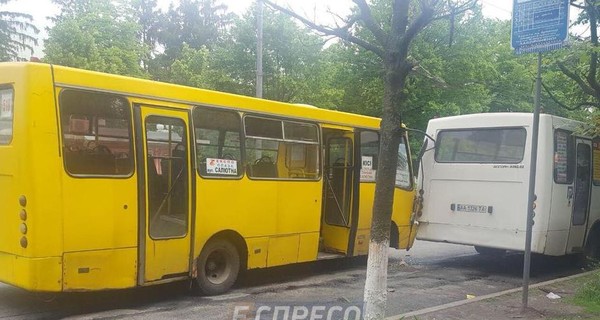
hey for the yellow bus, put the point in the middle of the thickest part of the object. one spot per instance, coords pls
(111, 182)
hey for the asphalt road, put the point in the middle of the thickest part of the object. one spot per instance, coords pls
(430, 274)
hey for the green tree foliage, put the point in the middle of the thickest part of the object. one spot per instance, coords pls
(192, 24)
(148, 18)
(467, 69)
(197, 23)
(17, 33)
(96, 35)
(293, 66)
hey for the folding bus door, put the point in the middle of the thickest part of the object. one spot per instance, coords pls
(581, 198)
(339, 219)
(165, 193)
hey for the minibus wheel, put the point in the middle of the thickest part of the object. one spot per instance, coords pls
(218, 267)
(486, 251)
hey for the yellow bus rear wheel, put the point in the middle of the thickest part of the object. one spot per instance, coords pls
(218, 267)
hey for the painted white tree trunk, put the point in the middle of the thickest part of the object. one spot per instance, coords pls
(375, 295)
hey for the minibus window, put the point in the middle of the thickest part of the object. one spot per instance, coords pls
(6, 115)
(281, 149)
(218, 147)
(482, 145)
(96, 132)
(563, 162)
(369, 152)
(403, 176)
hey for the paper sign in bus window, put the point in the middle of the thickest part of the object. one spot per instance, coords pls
(6, 101)
(560, 157)
(221, 166)
(367, 174)
(367, 162)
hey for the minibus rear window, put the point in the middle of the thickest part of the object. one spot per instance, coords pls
(481, 145)
(6, 115)
(96, 133)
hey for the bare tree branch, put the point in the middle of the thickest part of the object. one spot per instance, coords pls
(342, 33)
(575, 77)
(424, 18)
(564, 106)
(367, 18)
(576, 5)
(469, 5)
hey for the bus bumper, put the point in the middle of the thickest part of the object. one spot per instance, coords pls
(33, 274)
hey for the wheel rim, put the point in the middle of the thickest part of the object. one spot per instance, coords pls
(218, 266)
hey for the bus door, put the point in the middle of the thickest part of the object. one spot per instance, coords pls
(581, 198)
(165, 201)
(340, 183)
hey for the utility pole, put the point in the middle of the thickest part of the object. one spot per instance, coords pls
(259, 49)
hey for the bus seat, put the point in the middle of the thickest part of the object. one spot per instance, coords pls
(264, 168)
(84, 162)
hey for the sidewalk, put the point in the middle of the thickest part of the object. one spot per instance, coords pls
(507, 304)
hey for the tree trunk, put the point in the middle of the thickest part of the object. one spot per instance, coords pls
(375, 294)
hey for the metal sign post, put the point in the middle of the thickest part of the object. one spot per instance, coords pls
(537, 26)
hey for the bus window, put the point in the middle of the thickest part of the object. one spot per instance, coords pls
(6, 115)
(563, 163)
(490, 145)
(96, 132)
(369, 150)
(339, 180)
(219, 153)
(403, 176)
(167, 177)
(281, 149)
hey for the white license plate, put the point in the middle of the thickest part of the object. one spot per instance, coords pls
(471, 208)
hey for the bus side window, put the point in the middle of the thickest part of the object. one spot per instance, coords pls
(369, 150)
(281, 149)
(96, 133)
(6, 115)
(218, 147)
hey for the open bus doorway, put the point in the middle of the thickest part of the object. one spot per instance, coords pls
(339, 215)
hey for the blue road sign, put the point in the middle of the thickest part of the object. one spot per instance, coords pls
(539, 25)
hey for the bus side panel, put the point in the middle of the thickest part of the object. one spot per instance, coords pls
(257, 252)
(555, 204)
(99, 213)
(102, 269)
(43, 165)
(309, 245)
(401, 213)
(365, 214)
(287, 212)
(403, 205)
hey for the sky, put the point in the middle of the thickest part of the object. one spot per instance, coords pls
(41, 9)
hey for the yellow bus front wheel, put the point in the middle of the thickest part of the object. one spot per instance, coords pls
(218, 267)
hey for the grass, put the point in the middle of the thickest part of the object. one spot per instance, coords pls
(588, 296)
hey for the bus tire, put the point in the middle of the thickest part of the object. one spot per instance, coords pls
(592, 246)
(218, 267)
(486, 251)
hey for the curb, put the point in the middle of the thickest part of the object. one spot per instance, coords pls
(480, 298)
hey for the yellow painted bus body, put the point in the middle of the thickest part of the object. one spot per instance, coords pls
(63, 232)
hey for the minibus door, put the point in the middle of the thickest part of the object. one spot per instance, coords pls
(339, 185)
(165, 202)
(581, 198)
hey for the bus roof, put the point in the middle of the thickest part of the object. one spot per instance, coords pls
(146, 89)
(502, 119)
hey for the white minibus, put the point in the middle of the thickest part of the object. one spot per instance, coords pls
(475, 178)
